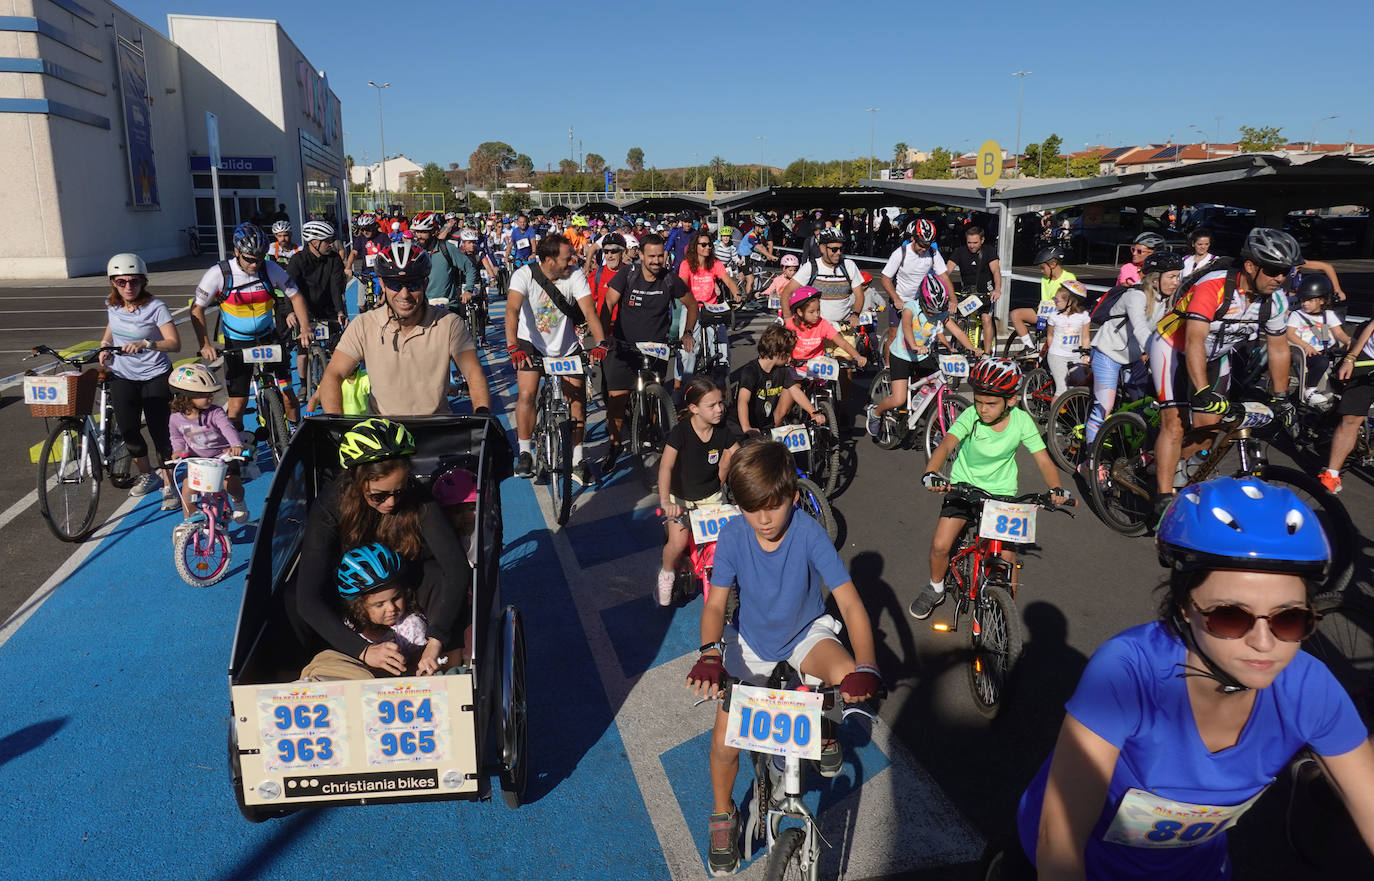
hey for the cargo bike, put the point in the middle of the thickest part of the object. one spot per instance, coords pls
(300, 744)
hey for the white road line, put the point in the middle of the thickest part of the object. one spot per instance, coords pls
(49, 587)
(46, 329)
(94, 295)
(20, 506)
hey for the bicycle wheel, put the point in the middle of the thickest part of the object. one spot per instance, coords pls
(824, 455)
(995, 643)
(315, 363)
(1067, 422)
(881, 388)
(560, 443)
(892, 429)
(1344, 642)
(120, 466)
(200, 561)
(788, 860)
(68, 481)
(1334, 518)
(1037, 393)
(1119, 473)
(938, 420)
(272, 414)
(652, 418)
(812, 501)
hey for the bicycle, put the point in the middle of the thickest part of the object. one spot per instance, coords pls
(1122, 474)
(201, 549)
(939, 390)
(968, 315)
(474, 312)
(84, 440)
(773, 721)
(269, 401)
(819, 379)
(1066, 421)
(713, 354)
(984, 587)
(316, 359)
(193, 240)
(553, 431)
(650, 413)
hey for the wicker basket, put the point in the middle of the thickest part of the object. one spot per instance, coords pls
(80, 396)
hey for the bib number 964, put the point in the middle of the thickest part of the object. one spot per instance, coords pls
(774, 721)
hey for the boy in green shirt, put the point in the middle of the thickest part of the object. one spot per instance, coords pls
(987, 436)
(1052, 275)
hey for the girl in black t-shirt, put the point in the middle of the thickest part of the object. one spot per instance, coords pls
(695, 459)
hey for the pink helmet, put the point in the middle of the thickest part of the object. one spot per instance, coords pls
(933, 297)
(801, 295)
(790, 260)
(454, 487)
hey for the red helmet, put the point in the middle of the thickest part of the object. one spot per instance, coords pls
(922, 230)
(425, 221)
(995, 376)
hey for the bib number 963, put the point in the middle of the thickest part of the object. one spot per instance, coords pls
(775, 721)
(301, 728)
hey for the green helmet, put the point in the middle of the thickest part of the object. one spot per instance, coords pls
(375, 440)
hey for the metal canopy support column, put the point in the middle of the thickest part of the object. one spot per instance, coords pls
(1006, 243)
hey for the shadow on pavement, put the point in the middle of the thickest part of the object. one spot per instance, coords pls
(30, 737)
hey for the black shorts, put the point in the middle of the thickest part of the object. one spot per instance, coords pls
(959, 508)
(1358, 395)
(623, 364)
(900, 368)
(238, 376)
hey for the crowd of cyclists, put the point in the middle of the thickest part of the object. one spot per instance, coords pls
(1189, 716)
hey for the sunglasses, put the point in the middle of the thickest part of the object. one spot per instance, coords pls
(612, 250)
(245, 260)
(126, 282)
(833, 248)
(1227, 621)
(1275, 271)
(703, 244)
(1142, 250)
(380, 497)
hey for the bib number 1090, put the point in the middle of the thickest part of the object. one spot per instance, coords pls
(775, 721)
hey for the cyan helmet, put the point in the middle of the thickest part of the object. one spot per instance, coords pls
(365, 569)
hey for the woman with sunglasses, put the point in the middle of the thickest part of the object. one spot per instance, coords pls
(1178, 726)
(1144, 245)
(376, 499)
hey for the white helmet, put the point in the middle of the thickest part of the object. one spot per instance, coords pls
(194, 379)
(281, 226)
(317, 231)
(467, 235)
(126, 264)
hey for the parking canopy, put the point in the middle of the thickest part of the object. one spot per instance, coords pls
(805, 199)
(661, 204)
(599, 207)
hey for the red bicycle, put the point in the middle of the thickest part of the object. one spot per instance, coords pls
(704, 525)
(984, 585)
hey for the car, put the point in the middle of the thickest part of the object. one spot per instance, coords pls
(1102, 231)
(1227, 224)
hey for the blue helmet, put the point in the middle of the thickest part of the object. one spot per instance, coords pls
(1242, 523)
(249, 241)
(366, 569)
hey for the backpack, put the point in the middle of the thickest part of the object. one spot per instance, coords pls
(1101, 311)
(844, 271)
(1178, 312)
(572, 310)
(281, 306)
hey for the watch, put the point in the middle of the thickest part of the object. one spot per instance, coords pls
(718, 646)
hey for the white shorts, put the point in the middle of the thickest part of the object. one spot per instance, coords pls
(749, 668)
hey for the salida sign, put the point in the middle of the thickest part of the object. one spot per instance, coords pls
(317, 102)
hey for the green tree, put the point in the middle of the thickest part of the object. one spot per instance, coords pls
(523, 166)
(634, 158)
(936, 166)
(431, 179)
(595, 162)
(1085, 166)
(567, 167)
(1043, 159)
(899, 151)
(490, 161)
(513, 202)
(453, 166)
(1261, 139)
(477, 203)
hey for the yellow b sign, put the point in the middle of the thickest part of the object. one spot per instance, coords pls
(989, 166)
(710, 190)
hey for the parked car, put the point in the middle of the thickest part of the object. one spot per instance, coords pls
(1099, 233)
(1227, 224)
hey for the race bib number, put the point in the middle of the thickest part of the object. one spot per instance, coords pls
(302, 726)
(1046, 309)
(261, 354)
(563, 366)
(405, 721)
(654, 350)
(768, 720)
(320, 329)
(774, 302)
(1008, 521)
(1147, 820)
(795, 437)
(438, 301)
(866, 319)
(969, 305)
(954, 365)
(522, 244)
(1070, 340)
(1256, 415)
(708, 521)
(45, 390)
(717, 308)
(823, 368)
(370, 260)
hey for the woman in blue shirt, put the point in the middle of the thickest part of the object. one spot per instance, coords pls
(1178, 726)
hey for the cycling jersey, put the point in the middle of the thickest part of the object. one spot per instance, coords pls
(1050, 286)
(1239, 323)
(644, 310)
(522, 242)
(245, 303)
(1170, 799)
(368, 247)
(450, 271)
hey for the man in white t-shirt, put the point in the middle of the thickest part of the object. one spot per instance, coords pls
(907, 268)
(538, 326)
(836, 277)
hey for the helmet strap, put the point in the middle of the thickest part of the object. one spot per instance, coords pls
(1226, 683)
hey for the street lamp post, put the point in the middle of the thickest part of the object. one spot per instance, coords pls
(872, 131)
(1208, 153)
(1314, 130)
(1020, 93)
(381, 130)
(763, 142)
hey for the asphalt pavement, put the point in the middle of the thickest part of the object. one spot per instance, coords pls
(99, 753)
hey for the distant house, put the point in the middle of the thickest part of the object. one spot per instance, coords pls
(397, 167)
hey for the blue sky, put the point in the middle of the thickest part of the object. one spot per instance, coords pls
(677, 79)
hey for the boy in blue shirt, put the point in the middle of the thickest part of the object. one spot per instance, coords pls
(778, 561)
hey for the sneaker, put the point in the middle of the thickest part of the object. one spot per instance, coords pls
(1332, 482)
(724, 855)
(238, 511)
(665, 587)
(1162, 504)
(146, 484)
(831, 757)
(170, 500)
(524, 466)
(925, 603)
(1318, 399)
(582, 473)
(872, 423)
(608, 461)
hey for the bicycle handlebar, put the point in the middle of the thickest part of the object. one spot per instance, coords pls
(1043, 499)
(833, 705)
(74, 360)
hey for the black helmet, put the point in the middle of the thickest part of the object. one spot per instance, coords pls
(249, 241)
(1045, 255)
(404, 261)
(1162, 261)
(1314, 285)
(1272, 246)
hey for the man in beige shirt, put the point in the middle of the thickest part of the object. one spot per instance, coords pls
(407, 345)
